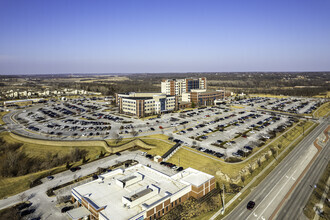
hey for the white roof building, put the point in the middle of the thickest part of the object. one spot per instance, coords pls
(140, 192)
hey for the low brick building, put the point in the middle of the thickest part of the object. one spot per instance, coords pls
(138, 192)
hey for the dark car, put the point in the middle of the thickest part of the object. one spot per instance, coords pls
(67, 208)
(250, 205)
(118, 154)
(50, 177)
(24, 205)
(27, 212)
(73, 169)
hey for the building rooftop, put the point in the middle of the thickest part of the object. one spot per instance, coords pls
(126, 193)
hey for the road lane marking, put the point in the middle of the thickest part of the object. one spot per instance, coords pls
(270, 191)
(277, 193)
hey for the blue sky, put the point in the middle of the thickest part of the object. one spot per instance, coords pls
(77, 36)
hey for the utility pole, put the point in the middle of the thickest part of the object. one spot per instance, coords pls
(223, 199)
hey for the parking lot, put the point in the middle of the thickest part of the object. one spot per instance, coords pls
(223, 131)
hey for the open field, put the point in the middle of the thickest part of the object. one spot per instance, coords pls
(316, 196)
(102, 78)
(323, 110)
(268, 96)
(323, 95)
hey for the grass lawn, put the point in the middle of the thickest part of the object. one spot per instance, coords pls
(40, 148)
(13, 185)
(235, 106)
(159, 141)
(323, 110)
(1, 115)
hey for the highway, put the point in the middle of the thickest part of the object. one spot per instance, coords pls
(269, 194)
(297, 201)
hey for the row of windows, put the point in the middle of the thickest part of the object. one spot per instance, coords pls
(126, 101)
(129, 109)
(163, 210)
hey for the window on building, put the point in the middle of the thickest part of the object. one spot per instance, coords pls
(158, 213)
(163, 211)
(166, 208)
(179, 200)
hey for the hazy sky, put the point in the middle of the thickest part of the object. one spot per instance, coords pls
(76, 36)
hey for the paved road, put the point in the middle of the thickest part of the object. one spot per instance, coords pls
(294, 206)
(270, 192)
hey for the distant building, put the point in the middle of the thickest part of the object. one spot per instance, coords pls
(179, 86)
(22, 102)
(202, 97)
(144, 104)
(138, 192)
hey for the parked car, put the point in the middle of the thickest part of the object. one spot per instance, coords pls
(67, 208)
(27, 212)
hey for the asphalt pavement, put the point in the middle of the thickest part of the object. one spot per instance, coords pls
(294, 206)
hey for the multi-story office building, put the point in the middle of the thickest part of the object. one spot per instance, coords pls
(201, 97)
(138, 192)
(179, 86)
(144, 104)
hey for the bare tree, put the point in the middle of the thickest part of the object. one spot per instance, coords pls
(118, 138)
(267, 156)
(134, 132)
(259, 162)
(243, 179)
(250, 169)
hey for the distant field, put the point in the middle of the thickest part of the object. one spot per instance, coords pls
(323, 95)
(108, 79)
(269, 96)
